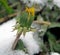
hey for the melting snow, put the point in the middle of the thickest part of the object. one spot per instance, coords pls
(54, 53)
(7, 38)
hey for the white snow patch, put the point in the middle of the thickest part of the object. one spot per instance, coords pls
(57, 2)
(41, 2)
(54, 53)
(38, 1)
(30, 43)
(7, 38)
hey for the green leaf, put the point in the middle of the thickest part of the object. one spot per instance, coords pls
(54, 24)
(20, 45)
(57, 47)
(23, 19)
(52, 40)
(54, 46)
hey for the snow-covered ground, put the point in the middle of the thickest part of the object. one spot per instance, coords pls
(57, 2)
(43, 2)
(7, 38)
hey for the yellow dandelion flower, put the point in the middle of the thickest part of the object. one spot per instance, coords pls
(30, 10)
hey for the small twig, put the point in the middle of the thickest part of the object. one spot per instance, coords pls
(12, 15)
(4, 19)
(16, 40)
(43, 22)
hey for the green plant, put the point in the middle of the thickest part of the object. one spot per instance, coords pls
(23, 24)
(8, 9)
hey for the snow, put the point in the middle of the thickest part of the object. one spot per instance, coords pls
(42, 2)
(39, 1)
(57, 2)
(54, 53)
(30, 43)
(7, 38)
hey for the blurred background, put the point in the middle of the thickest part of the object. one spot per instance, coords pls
(47, 10)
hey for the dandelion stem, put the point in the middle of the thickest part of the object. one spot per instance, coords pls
(16, 40)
